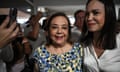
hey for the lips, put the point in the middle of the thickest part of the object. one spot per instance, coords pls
(91, 24)
(59, 37)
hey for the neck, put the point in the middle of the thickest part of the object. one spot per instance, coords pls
(64, 45)
(96, 39)
(96, 36)
(58, 45)
(55, 49)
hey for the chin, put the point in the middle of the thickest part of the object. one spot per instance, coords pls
(59, 43)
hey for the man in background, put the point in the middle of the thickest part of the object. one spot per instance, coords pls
(77, 29)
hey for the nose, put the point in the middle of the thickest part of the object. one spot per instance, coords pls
(59, 30)
(90, 17)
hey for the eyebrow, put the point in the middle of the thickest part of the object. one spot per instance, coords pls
(61, 25)
(97, 9)
(94, 10)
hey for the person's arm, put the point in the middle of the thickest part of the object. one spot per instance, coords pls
(27, 46)
(34, 22)
(36, 69)
(33, 35)
(7, 34)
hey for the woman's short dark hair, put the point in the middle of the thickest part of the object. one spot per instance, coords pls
(107, 37)
(49, 23)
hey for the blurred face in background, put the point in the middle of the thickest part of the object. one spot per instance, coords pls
(59, 30)
(95, 16)
(79, 19)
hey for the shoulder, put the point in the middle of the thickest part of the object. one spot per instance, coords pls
(40, 48)
(78, 46)
(39, 52)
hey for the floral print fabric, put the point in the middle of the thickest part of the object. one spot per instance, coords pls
(68, 62)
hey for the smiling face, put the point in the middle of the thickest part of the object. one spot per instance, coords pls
(59, 30)
(95, 16)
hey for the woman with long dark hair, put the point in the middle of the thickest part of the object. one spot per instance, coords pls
(102, 44)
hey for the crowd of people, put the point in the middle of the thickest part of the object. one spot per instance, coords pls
(92, 45)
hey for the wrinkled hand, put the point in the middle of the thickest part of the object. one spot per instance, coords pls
(27, 46)
(35, 19)
(7, 34)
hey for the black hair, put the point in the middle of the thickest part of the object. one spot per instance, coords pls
(44, 24)
(49, 23)
(118, 26)
(107, 38)
(77, 12)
